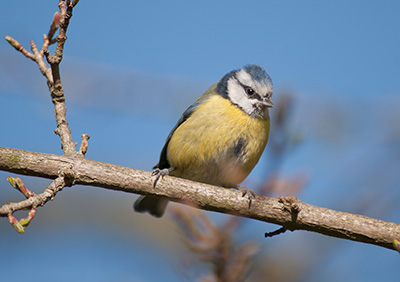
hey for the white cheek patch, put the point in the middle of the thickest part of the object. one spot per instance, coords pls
(238, 96)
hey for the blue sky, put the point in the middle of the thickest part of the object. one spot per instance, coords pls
(131, 68)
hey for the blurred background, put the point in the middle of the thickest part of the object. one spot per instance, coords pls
(131, 68)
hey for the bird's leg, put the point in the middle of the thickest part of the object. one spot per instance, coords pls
(246, 191)
(161, 173)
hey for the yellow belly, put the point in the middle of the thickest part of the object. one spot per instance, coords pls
(203, 147)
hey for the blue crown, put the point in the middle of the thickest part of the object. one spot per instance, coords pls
(258, 73)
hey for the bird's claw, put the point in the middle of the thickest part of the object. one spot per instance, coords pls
(160, 173)
(246, 191)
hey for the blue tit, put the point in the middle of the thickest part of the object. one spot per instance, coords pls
(220, 138)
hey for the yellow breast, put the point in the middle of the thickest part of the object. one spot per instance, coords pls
(218, 144)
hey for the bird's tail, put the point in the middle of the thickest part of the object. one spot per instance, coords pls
(154, 206)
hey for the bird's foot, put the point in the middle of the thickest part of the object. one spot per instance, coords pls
(160, 173)
(246, 191)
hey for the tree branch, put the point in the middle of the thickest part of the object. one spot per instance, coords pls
(288, 212)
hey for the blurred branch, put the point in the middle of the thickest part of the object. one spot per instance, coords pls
(283, 137)
(288, 212)
(213, 244)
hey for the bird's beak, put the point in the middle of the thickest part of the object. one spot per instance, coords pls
(268, 103)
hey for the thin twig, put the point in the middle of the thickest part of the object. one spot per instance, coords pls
(36, 200)
(14, 43)
(56, 88)
(276, 232)
(38, 58)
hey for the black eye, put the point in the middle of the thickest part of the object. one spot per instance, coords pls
(249, 91)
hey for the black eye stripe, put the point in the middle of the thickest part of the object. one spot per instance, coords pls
(255, 95)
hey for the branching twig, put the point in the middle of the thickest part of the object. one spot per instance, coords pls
(52, 73)
(37, 199)
(60, 19)
(32, 202)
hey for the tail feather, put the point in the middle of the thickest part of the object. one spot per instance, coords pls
(156, 207)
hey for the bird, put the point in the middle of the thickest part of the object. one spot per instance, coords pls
(220, 138)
